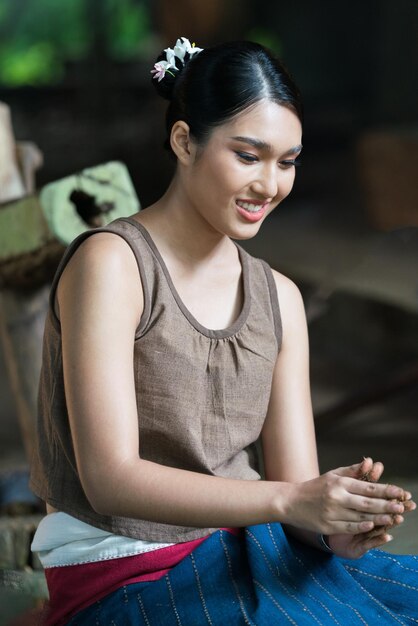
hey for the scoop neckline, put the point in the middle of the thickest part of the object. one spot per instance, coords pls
(221, 333)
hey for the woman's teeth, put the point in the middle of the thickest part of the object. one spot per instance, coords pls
(253, 208)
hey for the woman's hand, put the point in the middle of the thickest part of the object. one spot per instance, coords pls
(354, 546)
(340, 502)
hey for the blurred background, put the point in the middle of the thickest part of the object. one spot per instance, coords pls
(76, 77)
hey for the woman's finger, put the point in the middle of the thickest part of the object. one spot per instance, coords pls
(380, 525)
(374, 476)
(370, 472)
(357, 470)
(409, 505)
(367, 543)
(375, 532)
(348, 528)
(373, 506)
(376, 472)
(380, 520)
(376, 490)
(382, 529)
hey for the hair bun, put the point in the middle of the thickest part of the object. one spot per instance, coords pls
(169, 65)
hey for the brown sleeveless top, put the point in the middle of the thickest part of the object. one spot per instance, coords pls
(202, 395)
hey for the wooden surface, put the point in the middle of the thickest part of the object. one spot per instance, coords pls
(377, 266)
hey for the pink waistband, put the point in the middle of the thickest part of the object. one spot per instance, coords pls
(74, 587)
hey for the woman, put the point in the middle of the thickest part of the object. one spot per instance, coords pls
(149, 417)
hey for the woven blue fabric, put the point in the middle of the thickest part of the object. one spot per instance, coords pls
(266, 578)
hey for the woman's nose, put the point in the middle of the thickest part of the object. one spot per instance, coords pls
(267, 182)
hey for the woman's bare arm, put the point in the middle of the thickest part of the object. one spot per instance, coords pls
(100, 304)
(289, 444)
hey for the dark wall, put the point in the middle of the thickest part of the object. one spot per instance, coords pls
(355, 62)
(352, 54)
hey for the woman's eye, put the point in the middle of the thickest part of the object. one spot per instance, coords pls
(291, 163)
(248, 158)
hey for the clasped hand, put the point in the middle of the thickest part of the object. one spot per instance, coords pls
(351, 507)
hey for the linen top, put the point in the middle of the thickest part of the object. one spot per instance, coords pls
(202, 394)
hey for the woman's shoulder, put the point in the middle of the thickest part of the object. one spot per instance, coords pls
(103, 263)
(101, 259)
(102, 247)
(284, 283)
(289, 294)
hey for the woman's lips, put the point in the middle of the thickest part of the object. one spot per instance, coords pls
(251, 215)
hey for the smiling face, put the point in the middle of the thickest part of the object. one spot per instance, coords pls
(246, 168)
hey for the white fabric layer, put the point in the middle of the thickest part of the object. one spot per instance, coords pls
(61, 540)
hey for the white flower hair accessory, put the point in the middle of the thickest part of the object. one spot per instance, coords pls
(161, 68)
(182, 47)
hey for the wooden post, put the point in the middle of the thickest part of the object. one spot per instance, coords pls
(22, 318)
(21, 315)
(11, 182)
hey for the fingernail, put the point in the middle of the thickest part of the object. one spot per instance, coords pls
(389, 538)
(394, 492)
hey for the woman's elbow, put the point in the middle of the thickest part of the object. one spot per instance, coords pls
(105, 490)
(100, 491)
(98, 497)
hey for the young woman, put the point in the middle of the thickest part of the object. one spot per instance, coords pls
(169, 351)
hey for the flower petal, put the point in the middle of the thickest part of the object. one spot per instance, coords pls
(186, 42)
(180, 52)
(170, 55)
(194, 50)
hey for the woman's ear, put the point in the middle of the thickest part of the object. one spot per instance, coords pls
(181, 143)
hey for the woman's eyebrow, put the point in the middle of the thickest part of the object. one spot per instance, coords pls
(295, 149)
(256, 143)
(263, 145)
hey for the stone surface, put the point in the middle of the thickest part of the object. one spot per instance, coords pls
(22, 594)
(34, 230)
(15, 538)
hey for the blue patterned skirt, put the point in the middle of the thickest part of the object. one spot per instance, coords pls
(265, 578)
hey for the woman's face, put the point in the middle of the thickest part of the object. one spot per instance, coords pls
(246, 168)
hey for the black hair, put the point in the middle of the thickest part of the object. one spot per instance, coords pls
(214, 85)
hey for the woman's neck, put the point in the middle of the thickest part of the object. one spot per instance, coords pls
(179, 230)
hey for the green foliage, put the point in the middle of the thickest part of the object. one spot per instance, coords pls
(127, 28)
(37, 37)
(36, 64)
